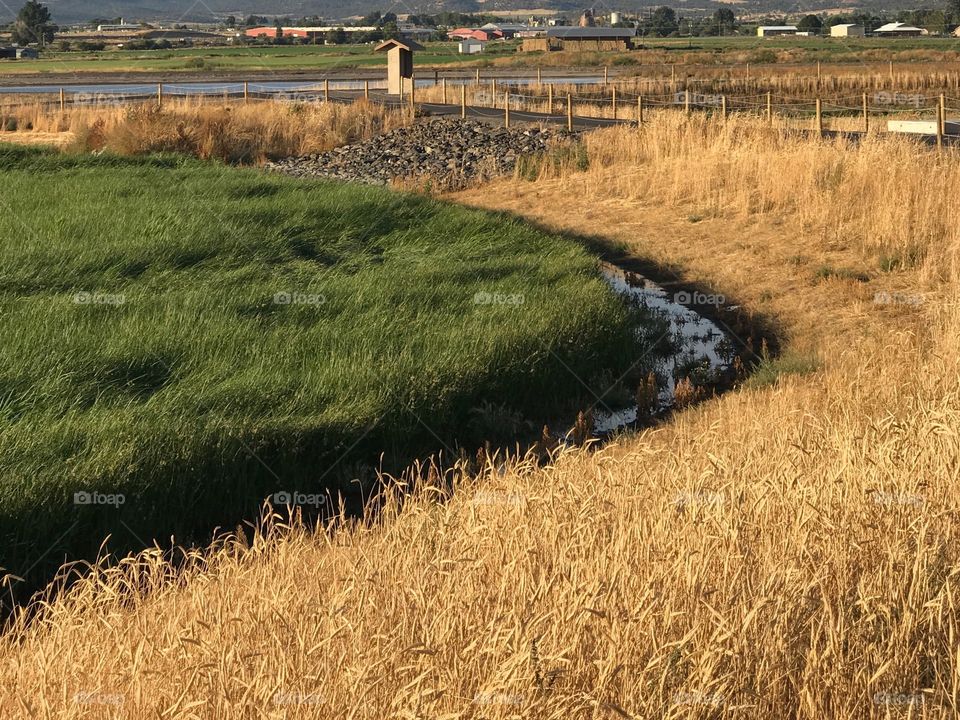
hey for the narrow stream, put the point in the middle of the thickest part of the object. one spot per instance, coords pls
(702, 351)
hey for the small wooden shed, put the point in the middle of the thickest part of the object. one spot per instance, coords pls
(399, 62)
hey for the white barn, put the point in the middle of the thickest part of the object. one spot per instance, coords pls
(470, 46)
(774, 30)
(846, 30)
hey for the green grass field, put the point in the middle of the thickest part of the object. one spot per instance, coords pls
(247, 58)
(197, 337)
(323, 58)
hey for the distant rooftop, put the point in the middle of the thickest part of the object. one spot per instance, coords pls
(590, 32)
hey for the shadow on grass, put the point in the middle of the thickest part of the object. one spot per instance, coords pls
(187, 482)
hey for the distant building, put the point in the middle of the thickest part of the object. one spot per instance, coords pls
(774, 30)
(122, 27)
(846, 30)
(506, 30)
(479, 34)
(899, 29)
(304, 33)
(581, 39)
(413, 32)
(470, 46)
(18, 53)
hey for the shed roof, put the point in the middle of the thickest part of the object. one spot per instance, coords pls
(898, 27)
(405, 44)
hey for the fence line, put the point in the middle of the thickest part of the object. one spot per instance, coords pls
(610, 101)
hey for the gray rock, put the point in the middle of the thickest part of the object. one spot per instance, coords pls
(450, 151)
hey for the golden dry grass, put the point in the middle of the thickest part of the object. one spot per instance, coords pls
(786, 550)
(209, 129)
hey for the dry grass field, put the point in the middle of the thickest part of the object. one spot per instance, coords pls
(788, 550)
(235, 132)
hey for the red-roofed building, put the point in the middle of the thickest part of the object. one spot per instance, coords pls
(481, 35)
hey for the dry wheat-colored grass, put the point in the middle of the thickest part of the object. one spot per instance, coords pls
(789, 550)
(232, 132)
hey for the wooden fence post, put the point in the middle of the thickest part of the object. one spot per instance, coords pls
(463, 101)
(686, 101)
(640, 110)
(478, 76)
(769, 108)
(569, 113)
(549, 99)
(246, 91)
(866, 116)
(444, 87)
(539, 76)
(723, 108)
(605, 75)
(614, 101)
(63, 101)
(819, 117)
(941, 120)
(506, 109)
(326, 90)
(366, 89)
(159, 96)
(413, 91)
(493, 92)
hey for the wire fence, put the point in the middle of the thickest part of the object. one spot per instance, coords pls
(611, 102)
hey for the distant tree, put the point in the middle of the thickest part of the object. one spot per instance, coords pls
(371, 36)
(373, 18)
(231, 21)
(953, 10)
(33, 25)
(810, 23)
(336, 37)
(724, 18)
(663, 22)
(390, 30)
